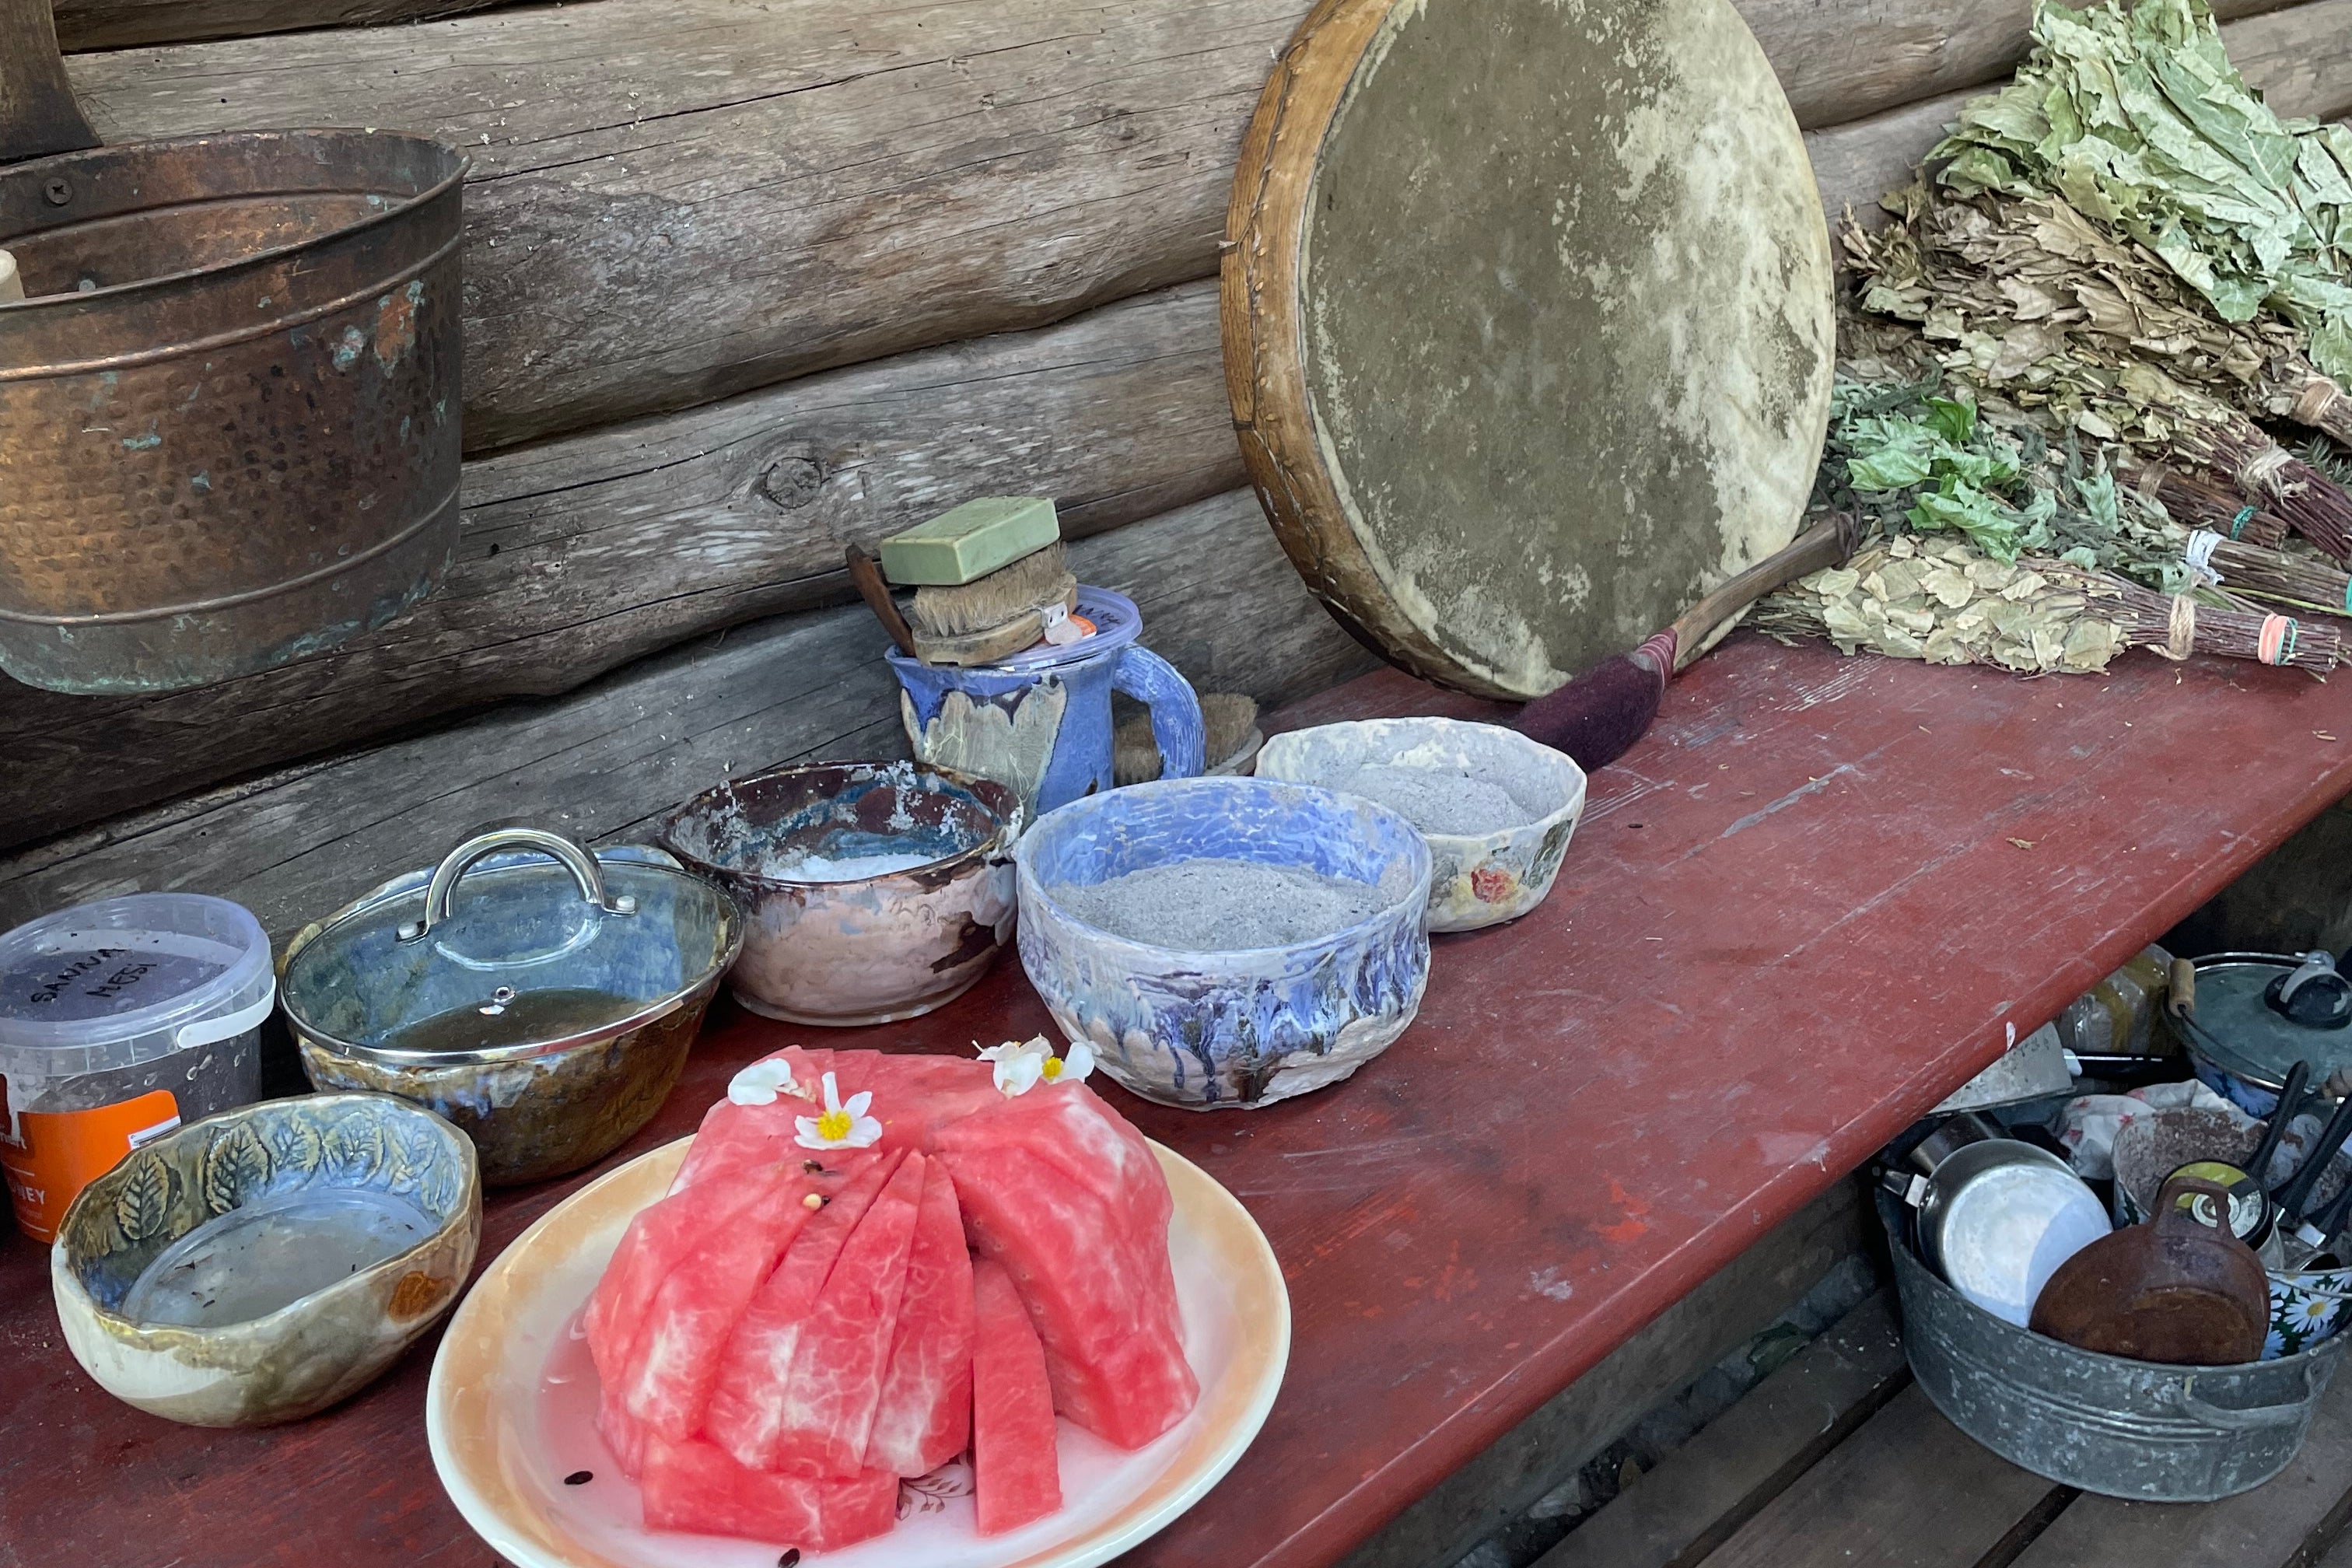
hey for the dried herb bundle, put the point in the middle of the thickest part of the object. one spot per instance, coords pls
(2013, 283)
(2200, 501)
(1909, 456)
(1946, 602)
(2296, 582)
(2138, 119)
(2182, 624)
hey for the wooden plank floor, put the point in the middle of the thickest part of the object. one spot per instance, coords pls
(1839, 1458)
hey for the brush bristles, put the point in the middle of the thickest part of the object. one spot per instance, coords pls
(986, 602)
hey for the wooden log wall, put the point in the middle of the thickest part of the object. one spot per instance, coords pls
(751, 279)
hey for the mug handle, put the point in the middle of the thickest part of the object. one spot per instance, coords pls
(1176, 724)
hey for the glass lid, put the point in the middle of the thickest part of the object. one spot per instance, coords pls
(497, 955)
(2236, 1025)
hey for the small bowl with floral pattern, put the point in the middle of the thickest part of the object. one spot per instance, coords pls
(261, 1265)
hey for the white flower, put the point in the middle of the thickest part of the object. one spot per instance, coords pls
(1023, 1065)
(2311, 1312)
(840, 1126)
(759, 1083)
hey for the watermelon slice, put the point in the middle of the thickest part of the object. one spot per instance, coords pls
(746, 1414)
(622, 1433)
(655, 1242)
(924, 1416)
(1093, 1271)
(826, 1404)
(697, 1486)
(1015, 1465)
(733, 1136)
(676, 1360)
(1098, 1151)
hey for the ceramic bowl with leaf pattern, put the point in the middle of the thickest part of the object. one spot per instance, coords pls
(260, 1265)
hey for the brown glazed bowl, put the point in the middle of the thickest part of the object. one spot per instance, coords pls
(871, 949)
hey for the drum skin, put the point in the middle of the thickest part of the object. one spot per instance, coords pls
(1529, 323)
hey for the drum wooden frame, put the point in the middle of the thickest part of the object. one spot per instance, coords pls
(1755, 390)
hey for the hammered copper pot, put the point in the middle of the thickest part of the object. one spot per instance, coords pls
(229, 406)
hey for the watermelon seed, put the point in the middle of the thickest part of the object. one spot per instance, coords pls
(813, 1201)
(791, 1559)
(579, 1478)
(812, 1167)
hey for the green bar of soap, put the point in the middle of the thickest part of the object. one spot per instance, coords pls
(975, 539)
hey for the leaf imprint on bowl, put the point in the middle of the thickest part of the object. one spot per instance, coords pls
(142, 1207)
(235, 1165)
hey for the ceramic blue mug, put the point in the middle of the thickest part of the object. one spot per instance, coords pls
(1040, 721)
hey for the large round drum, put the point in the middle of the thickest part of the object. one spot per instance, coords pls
(1528, 323)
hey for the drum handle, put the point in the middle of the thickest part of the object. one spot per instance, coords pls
(1824, 546)
(37, 112)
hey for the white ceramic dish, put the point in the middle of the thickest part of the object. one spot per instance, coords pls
(1476, 879)
(510, 1413)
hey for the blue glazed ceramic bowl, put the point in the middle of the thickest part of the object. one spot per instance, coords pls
(1245, 1027)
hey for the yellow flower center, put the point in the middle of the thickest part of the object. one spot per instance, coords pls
(834, 1126)
(1052, 1068)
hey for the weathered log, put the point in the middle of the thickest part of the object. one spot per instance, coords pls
(84, 25)
(582, 554)
(677, 200)
(1218, 600)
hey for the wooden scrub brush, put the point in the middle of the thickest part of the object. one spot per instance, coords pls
(1230, 719)
(992, 617)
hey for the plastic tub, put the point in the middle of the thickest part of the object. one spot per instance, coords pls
(120, 1020)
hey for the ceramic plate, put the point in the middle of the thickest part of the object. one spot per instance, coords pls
(510, 1411)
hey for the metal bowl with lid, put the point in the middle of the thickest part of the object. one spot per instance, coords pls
(2255, 1014)
(542, 997)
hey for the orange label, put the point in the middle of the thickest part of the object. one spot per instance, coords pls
(56, 1153)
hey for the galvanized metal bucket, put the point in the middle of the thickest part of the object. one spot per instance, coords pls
(2121, 1429)
(229, 406)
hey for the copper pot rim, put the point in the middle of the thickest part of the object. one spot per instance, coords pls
(394, 212)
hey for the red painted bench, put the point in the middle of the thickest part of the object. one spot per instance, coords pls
(1815, 899)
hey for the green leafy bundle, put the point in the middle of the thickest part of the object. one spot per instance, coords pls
(1913, 458)
(2138, 121)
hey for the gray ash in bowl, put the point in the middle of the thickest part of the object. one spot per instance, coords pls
(1441, 800)
(1221, 906)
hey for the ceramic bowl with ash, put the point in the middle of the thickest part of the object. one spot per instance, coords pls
(541, 997)
(871, 891)
(2307, 1305)
(260, 1265)
(1226, 941)
(1497, 808)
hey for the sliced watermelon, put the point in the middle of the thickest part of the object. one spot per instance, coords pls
(1097, 1150)
(696, 1486)
(924, 1416)
(656, 1240)
(745, 1413)
(1093, 1270)
(828, 1402)
(916, 1096)
(1015, 1465)
(733, 1136)
(670, 1371)
(622, 1433)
